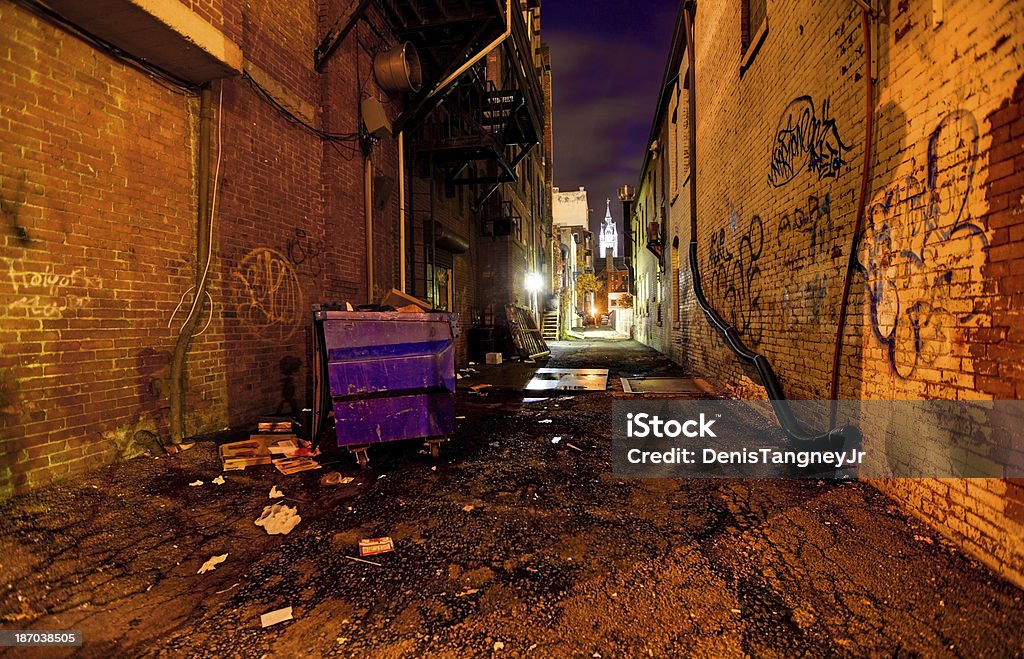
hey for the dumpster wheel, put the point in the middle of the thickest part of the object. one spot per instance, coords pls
(434, 445)
(362, 455)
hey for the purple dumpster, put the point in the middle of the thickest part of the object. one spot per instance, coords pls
(386, 375)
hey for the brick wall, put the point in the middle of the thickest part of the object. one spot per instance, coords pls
(98, 249)
(935, 304)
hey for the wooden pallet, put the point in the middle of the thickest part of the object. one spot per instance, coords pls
(526, 336)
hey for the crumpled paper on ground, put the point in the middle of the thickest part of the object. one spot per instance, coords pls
(278, 519)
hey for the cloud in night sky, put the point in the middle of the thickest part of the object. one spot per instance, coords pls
(607, 60)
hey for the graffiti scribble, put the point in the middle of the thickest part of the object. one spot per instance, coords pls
(803, 139)
(269, 293)
(909, 274)
(734, 275)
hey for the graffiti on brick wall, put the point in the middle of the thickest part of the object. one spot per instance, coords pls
(806, 139)
(52, 291)
(813, 219)
(306, 253)
(804, 305)
(734, 277)
(270, 298)
(917, 248)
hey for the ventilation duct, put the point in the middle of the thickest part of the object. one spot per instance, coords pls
(398, 69)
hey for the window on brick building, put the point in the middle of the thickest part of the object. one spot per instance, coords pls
(753, 29)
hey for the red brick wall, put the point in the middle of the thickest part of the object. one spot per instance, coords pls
(98, 236)
(96, 182)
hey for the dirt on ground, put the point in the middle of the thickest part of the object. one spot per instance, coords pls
(508, 545)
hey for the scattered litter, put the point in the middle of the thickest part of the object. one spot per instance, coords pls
(479, 389)
(498, 645)
(275, 493)
(219, 480)
(363, 560)
(736, 610)
(278, 519)
(211, 565)
(171, 449)
(574, 446)
(348, 306)
(195, 483)
(280, 424)
(249, 453)
(374, 546)
(923, 538)
(283, 447)
(434, 468)
(274, 617)
(232, 587)
(493, 358)
(546, 421)
(472, 363)
(459, 418)
(334, 478)
(458, 376)
(290, 466)
(555, 440)
(471, 591)
(467, 508)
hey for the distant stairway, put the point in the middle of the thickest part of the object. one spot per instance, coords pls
(549, 326)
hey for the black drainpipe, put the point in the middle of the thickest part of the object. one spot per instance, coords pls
(178, 357)
(790, 424)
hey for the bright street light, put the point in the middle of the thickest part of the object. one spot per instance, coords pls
(534, 282)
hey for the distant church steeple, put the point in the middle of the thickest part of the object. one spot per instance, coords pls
(609, 234)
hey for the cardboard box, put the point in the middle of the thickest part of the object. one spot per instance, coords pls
(493, 358)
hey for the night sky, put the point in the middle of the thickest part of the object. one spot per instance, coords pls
(607, 59)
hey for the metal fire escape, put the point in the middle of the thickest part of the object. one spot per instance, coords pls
(479, 129)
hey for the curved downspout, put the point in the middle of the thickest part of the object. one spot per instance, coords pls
(793, 428)
(865, 180)
(203, 246)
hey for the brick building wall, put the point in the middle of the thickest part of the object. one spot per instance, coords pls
(935, 303)
(97, 178)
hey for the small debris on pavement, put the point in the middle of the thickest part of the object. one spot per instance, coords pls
(471, 591)
(459, 418)
(334, 478)
(212, 563)
(195, 483)
(498, 646)
(923, 538)
(275, 493)
(219, 480)
(546, 421)
(274, 617)
(288, 466)
(363, 560)
(555, 440)
(231, 587)
(374, 546)
(278, 519)
(468, 508)
(574, 446)
(171, 449)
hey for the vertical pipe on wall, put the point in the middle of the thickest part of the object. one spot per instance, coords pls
(865, 181)
(401, 210)
(368, 196)
(203, 230)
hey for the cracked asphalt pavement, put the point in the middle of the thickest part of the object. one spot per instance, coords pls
(508, 545)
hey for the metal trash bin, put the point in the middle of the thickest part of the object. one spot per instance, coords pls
(387, 376)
